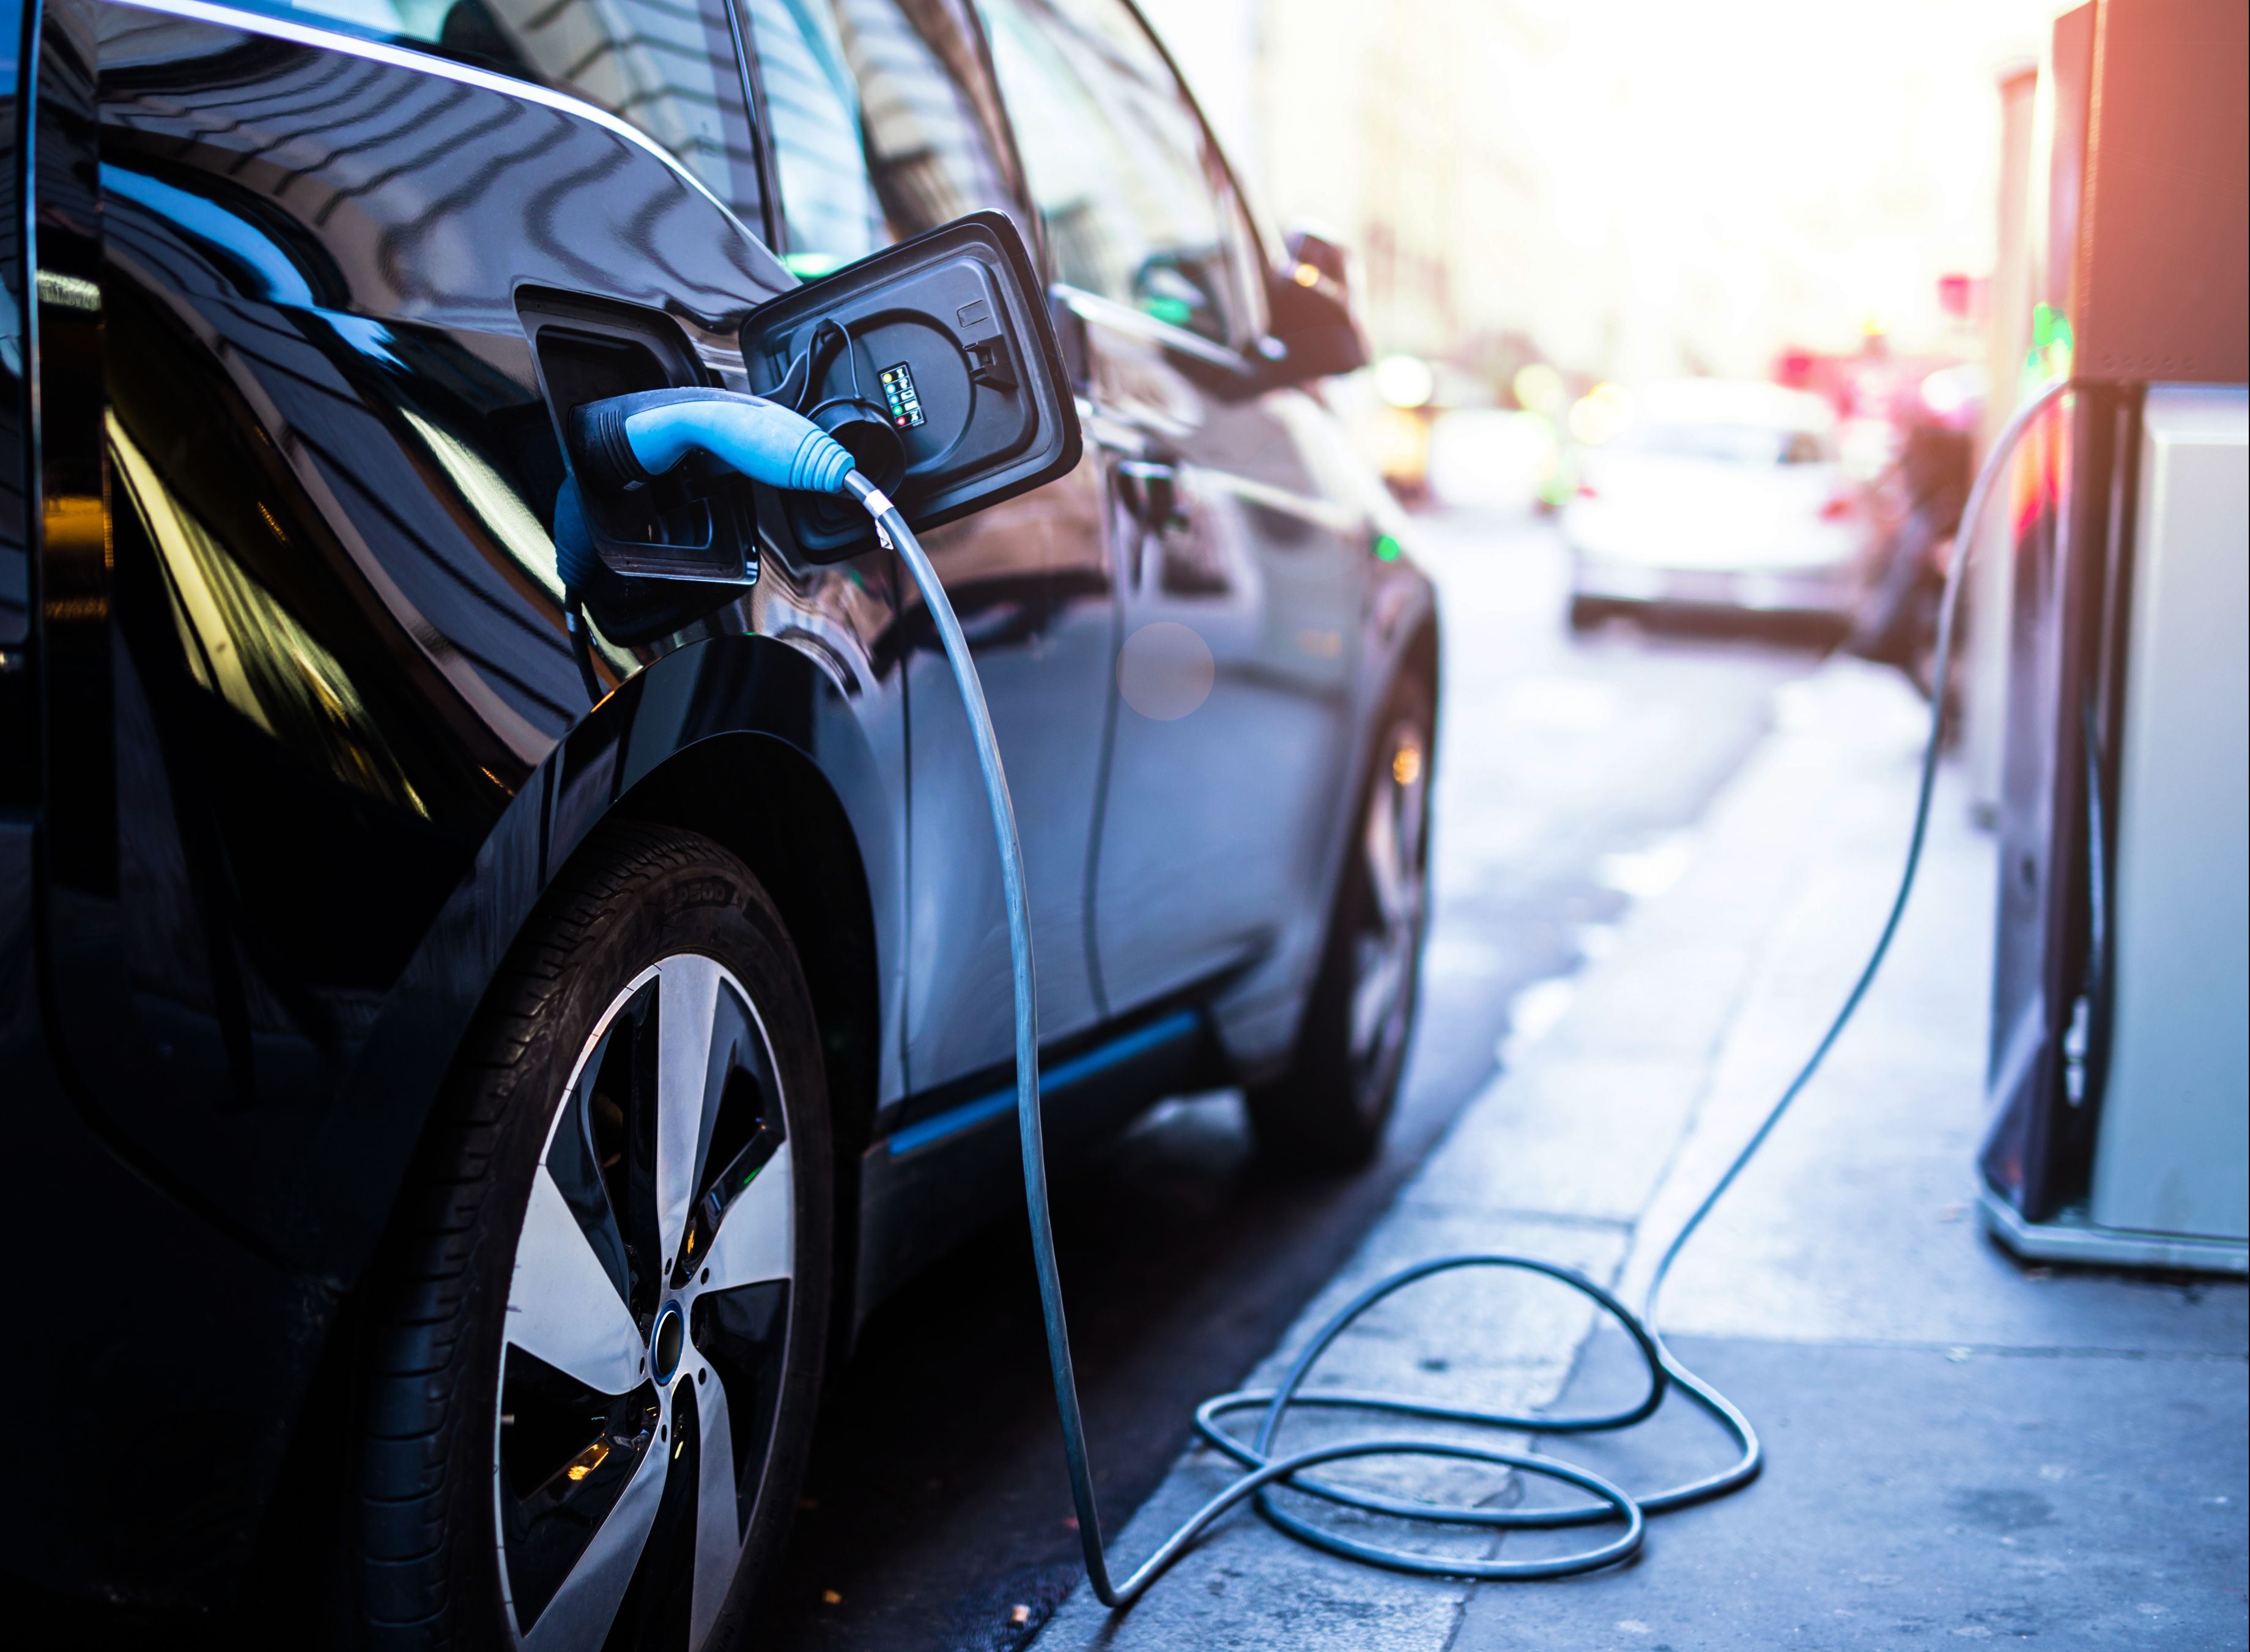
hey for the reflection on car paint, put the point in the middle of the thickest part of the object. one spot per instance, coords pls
(330, 528)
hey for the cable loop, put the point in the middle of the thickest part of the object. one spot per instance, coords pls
(1276, 1402)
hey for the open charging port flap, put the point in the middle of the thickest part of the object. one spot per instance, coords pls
(934, 363)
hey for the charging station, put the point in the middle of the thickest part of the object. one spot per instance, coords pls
(2119, 1071)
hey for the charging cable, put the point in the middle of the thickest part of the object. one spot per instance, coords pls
(768, 447)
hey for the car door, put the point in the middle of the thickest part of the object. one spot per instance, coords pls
(15, 698)
(884, 125)
(303, 629)
(1241, 573)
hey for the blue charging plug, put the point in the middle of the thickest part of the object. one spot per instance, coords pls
(630, 439)
(628, 442)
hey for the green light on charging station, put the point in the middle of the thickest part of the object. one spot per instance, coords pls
(1387, 548)
(2053, 345)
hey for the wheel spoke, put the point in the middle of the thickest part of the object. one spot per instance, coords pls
(755, 1237)
(686, 1089)
(1416, 807)
(562, 1303)
(1374, 995)
(578, 1618)
(718, 1526)
(1386, 874)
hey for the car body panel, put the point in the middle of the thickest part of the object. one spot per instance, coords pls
(1221, 804)
(324, 575)
(1030, 580)
(137, 1311)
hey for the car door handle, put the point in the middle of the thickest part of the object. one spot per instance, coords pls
(1150, 489)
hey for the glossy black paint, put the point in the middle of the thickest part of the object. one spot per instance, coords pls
(17, 788)
(310, 741)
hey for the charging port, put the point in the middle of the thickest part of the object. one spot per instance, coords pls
(696, 523)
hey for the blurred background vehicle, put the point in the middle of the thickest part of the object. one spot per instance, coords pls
(1712, 494)
(1494, 458)
(1916, 512)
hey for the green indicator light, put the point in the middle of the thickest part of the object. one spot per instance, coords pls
(1387, 548)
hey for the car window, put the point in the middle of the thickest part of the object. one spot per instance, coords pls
(883, 124)
(1117, 163)
(668, 67)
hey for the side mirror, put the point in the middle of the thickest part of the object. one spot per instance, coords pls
(1315, 330)
(1315, 247)
(934, 362)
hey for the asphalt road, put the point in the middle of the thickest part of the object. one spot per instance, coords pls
(937, 1516)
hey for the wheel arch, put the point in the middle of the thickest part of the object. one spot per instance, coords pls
(741, 738)
(769, 805)
(1420, 657)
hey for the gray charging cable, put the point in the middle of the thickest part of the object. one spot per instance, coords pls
(1266, 1470)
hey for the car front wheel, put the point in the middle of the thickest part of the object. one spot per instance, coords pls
(1328, 1109)
(599, 1347)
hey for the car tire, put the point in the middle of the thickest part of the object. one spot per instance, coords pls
(598, 1336)
(1328, 1111)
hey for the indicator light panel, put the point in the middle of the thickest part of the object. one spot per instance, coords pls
(898, 393)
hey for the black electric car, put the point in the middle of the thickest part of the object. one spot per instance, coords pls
(474, 1037)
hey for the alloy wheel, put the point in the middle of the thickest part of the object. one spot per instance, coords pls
(648, 1322)
(1391, 844)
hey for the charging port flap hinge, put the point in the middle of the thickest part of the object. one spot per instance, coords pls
(991, 362)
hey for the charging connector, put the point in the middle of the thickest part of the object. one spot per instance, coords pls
(630, 440)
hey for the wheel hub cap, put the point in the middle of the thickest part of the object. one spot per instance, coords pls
(664, 1343)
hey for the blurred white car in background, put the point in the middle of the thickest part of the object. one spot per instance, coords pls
(1716, 495)
(1490, 458)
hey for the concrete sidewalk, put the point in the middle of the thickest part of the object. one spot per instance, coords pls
(1957, 1446)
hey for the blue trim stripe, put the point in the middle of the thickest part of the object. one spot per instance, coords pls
(1179, 1024)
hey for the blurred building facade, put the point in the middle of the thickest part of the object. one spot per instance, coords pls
(1627, 188)
(1409, 130)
